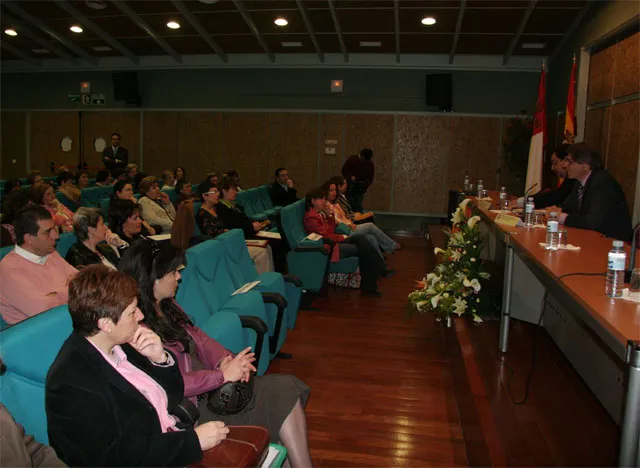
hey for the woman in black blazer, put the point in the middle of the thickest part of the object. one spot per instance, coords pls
(94, 241)
(110, 392)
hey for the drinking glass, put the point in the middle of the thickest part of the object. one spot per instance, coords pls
(505, 204)
(563, 238)
(634, 284)
(537, 218)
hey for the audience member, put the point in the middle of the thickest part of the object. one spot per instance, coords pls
(212, 177)
(111, 390)
(343, 201)
(103, 179)
(42, 194)
(597, 201)
(375, 235)
(211, 224)
(119, 174)
(19, 449)
(155, 205)
(125, 220)
(132, 175)
(233, 175)
(123, 190)
(67, 188)
(82, 180)
(180, 173)
(183, 229)
(318, 219)
(359, 171)
(11, 205)
(232, 214)
(184, 191)
(115, 156)
(169, 179)
(34, 276)
(278, 400)
(96, 243)
(34, 178)
(11, 185)
(282, 190)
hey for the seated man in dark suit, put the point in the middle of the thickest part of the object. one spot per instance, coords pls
(282, 191)
(597, 201)
(565, 184)
(115, 156)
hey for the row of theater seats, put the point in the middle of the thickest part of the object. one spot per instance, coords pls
(257, 203)
(215, 269)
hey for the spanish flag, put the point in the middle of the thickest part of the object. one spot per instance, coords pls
(570, 111)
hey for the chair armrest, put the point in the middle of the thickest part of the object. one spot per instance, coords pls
(327, 241)
(310, 248)
(187, 413)
(274, 298)
(292, 279)
(256, 324)
(281, 303)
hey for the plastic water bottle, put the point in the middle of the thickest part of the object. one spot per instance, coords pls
(552, 232)
(504, 199)
(617, 261)
(467, 183)
(528, 212)
(480, 189)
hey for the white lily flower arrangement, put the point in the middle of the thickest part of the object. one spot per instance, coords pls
(454, 288)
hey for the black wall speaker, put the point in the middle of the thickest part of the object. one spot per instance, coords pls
(125, 87)
(440, 90)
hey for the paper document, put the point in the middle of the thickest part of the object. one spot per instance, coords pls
(314, 237)
(272, 453)
(161, 237)
(564, 247)
(483, 203)
(257, 242)
(246, 287)
(270, 235)
(507, 220)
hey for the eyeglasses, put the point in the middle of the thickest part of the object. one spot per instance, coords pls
(210, 192)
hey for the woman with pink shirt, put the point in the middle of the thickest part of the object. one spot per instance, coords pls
(43, 194)
(111, 391)
(278, 400)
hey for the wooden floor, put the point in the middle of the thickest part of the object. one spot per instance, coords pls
(382, 392)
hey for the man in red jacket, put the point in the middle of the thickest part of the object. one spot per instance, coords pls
(359, 171)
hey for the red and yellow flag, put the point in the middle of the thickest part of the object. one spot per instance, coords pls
(570, 111)
(538, 140)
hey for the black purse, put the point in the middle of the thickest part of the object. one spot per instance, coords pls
(230, 398)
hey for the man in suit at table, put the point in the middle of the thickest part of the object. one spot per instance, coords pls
(282, 191)
(597, 201)
(115, 156)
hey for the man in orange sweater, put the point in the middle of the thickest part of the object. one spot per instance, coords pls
(33, 277)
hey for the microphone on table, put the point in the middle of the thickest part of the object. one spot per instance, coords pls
(526, 193)
(632, 261)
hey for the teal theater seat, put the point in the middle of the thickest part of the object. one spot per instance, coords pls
(92, 196)
(173, 195)
(243, 271)
(5, 250)
(206, 290)
(65, 242)
(105, 203)
(62, 198)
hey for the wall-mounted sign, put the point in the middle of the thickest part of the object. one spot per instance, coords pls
(65, 144)
(73, 97)
(90, 99)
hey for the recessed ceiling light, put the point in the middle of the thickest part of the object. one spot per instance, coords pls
(370, 43)
(291, 44)
(76, 29)
(173, 25)
(10, 32)
(533, 45)
(428, 21)
(101, 48)
(281, 22)
(41, 51)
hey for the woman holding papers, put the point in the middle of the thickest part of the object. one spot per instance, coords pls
(211, 225)
(277, 402)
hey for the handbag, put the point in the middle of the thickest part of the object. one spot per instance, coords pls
(230, 398)
(245, 446)
(345, 280)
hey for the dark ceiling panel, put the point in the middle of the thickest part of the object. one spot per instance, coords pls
(498, 4)
(321, 21)
(43, 9)
(549, 41)
(549, 21)
(275, 43)
(410, 21)
(143, 46)
(61, 26)
(246, 44)
(470, 44)
(491, 21)
(426, 43)
(577, 4)
(190, 45)
(224, 23)
(329, 43)
(264, 21)
(364, 3)
(365, 21)
(427, 4)
(388, 43)
(274, 5)
(151, 7)
(118, 26)
(89, 45)
(159, 25)
(27, 45)
(4, 55)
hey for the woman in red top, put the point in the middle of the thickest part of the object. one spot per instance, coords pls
(319, 219)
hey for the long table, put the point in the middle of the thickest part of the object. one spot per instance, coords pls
(609, 326)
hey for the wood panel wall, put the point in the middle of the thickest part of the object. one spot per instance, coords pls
(624, 141)
(245, 146)
(332, 128)
(160, 141)
(47, 131)
(103, 124)
(601, 69)
(13, 149)
(199, 143)
(627, 74)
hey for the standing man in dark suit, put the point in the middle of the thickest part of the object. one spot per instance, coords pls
(597, 201)
(359, 171)
(115, 156)
(282, 191)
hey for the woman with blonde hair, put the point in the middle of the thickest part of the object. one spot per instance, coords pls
(157, 209)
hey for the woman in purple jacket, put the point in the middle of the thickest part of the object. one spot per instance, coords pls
(278, 400)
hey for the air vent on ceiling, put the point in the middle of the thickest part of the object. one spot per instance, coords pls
(41, 51)
(96, 4)
(533, 45)
(101, 48)
(292, 44)
(208, 2)
(370, 43)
